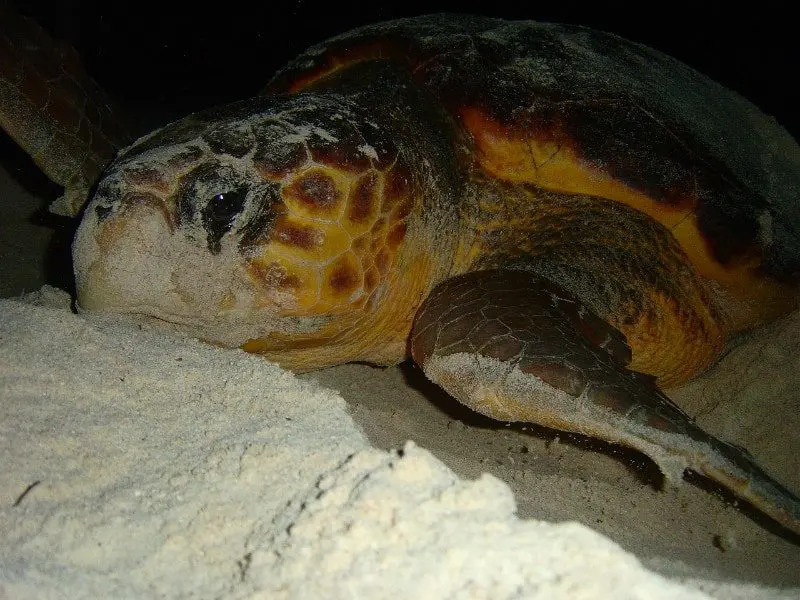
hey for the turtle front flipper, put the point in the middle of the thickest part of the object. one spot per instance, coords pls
(515, 347)
(55, 112)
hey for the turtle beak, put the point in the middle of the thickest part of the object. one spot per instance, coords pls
(135, 262)
(125, 262)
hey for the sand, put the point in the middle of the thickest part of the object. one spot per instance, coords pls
(136, 464)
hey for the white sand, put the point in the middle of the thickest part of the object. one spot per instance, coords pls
(158, 466)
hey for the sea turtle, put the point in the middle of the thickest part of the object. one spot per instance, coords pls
(554, 223)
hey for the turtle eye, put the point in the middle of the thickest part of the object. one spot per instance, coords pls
(219, 215)
(223, 208)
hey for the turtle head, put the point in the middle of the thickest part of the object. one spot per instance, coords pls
(277, 225)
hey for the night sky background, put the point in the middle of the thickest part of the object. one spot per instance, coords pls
(171, 58)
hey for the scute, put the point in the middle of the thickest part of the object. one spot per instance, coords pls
(673, 139)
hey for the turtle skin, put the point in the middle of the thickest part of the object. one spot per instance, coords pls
(55, 111)
(554, 222)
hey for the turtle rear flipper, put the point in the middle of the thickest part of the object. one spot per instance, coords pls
(511, 345)
(55, 112)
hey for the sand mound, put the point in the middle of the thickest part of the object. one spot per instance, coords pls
(140, 465)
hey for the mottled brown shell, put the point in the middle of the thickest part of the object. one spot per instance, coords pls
(575, 110)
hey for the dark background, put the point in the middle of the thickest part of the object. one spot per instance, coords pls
(170, 58)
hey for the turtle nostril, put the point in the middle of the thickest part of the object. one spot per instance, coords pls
(220, 213)
(102, 212)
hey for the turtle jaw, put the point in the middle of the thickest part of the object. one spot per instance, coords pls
(134, 263)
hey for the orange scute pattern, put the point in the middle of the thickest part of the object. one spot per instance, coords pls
(675, 346)
(336, 237)
(549, 160)
(333, 59)
(316, 192)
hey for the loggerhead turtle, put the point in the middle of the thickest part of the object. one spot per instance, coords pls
(553, 221)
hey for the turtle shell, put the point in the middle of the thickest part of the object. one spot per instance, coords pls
(575, 110)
